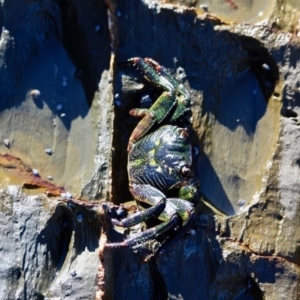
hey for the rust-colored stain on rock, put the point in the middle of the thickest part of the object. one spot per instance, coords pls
(18, 172)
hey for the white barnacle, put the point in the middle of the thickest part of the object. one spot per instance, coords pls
(241, 202)
(192, 232)
(66, 195)
(266, 67)
(35, 94)
(50, 177)
(6, 142)
(35, 172)
(48, 151)
(204, 7)
(59, 106)
(180, 75)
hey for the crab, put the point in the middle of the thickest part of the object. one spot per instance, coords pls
(159, 161)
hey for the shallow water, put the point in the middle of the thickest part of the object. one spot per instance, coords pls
(244, 130)
(56, 118)
(249, 11)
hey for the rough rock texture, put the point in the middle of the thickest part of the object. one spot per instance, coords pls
(42, 253)
(244, 85)
(56, 93)
(239, 79)
(50, 93)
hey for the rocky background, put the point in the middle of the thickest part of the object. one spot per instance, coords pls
(65, 127)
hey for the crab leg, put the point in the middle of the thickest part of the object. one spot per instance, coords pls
(171, 214)
(141, 216)
(148, 234)
(160, 109)
(179, 234)
(152, 73)
(182, 207)
(178, 87)
(155, 114)
(184, 99)
(149, 195)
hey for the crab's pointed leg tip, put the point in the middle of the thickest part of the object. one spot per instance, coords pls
(116, 245)
(148, 258)
(134, 60)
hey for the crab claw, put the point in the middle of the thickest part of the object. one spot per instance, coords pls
(154, 115)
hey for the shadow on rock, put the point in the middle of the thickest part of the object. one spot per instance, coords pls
(238, 276)
(66, 76)
(80, 222)
(230, 77)
(214, 190)
(57, 237)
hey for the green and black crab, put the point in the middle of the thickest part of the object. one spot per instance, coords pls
(160, 160)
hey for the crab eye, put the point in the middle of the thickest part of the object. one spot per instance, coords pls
(183, 133)
(186, 172)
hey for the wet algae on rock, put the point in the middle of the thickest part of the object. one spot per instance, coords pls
(62, 88)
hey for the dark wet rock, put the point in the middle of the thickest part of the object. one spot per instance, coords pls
(230, 91)
(234, 76)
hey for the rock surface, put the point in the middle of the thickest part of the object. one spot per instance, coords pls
(56, 108)
(60, 59)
